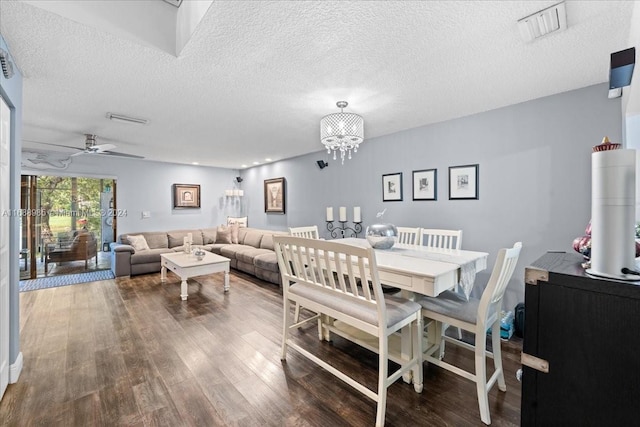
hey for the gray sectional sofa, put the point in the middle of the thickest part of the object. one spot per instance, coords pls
(253, 254)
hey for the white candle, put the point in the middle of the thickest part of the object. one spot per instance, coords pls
(343, 213)
(190, 237)
(329, 214)
(356, 214)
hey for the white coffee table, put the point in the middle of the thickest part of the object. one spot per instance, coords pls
(186, 266)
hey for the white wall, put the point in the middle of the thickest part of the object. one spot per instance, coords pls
(11, 91)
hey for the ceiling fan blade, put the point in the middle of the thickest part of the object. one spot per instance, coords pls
(54, 145)
(113, 153)
(100, 148)
(79, 153)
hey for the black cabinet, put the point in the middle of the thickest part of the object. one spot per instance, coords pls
(586, 331)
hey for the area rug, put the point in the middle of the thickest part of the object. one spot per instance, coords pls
(70, 279)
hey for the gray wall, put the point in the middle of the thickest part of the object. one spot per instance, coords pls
(147, 186)
(535, 177)
(535, 180)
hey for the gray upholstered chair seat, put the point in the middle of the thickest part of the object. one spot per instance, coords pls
(397, 308)
(452, 304)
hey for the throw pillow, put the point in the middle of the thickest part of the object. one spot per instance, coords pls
(234, 233)
(138, 242)
(223, 235)
(240, 220)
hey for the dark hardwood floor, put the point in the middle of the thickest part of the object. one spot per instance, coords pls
(129, 352)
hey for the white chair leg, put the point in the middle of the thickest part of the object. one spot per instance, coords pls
(285, 328)
(296, 316)
(497, 355)
(417, 352)
(481, 375)
(382, 379)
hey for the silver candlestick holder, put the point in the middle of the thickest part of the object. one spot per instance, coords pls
(341, 230)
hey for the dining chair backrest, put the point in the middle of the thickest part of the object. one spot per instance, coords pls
(491, 300)
(409, 235)
(312, 262)
(309, 232)
(444, 239)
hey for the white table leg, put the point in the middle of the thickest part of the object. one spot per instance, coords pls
(406, 341)
(163, 274)
(226, 281)
(406, 350)
(183, 289)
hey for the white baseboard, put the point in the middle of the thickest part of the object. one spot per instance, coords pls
(15, 369)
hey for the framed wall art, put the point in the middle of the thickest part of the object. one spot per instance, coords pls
(274, 195)
(425, 184)
(463, 182)
(392, 187)
(186, 196)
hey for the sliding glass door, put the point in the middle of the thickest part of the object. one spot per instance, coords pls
(55, 210)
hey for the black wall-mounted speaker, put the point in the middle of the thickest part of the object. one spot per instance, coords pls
(322, 164)
(621, 70)
(239, 179)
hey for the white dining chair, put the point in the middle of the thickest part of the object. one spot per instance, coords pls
(438, 238)
(308, 232)
(443, 239)
(306, 267)
(409, 235)
(475, 316)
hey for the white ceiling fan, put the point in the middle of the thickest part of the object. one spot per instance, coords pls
(90, 147)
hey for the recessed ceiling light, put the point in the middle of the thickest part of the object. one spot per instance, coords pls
(267, 159)
(125, 119)
(243, 166)
(195, 163)
(256, 163)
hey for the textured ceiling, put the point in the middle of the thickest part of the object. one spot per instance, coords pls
(255, 78)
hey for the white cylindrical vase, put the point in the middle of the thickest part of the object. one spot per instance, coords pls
(613, 213)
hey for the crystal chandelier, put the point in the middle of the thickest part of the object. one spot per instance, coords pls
(342, 132)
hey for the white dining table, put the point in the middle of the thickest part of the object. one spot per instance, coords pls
(425, 271)
(420, 269)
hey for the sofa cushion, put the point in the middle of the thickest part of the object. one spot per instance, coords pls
(216, 247)
(223, 235)
(138, 242)
(208, 235)
(248, 255)
(242, 233)
(176, 238)
(152, 255)
(267, 261)
(156, 240)
(234, 233)
(267, 242)
(231, 251)
(253, 238)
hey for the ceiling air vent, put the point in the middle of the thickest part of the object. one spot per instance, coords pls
(543, 22)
